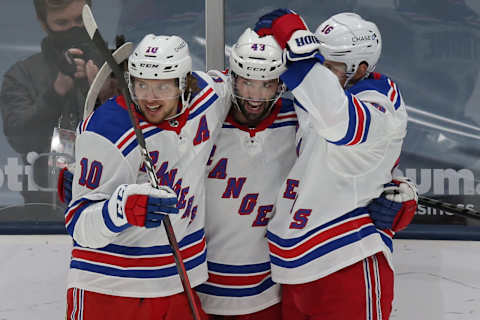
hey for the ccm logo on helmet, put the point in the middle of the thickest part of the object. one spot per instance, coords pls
(149, 65)
(256, 69)
(306, 40)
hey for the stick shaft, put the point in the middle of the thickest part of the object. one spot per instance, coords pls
(464, 212)
(96, 37)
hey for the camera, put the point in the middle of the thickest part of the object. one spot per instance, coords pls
(57, 44)
(90, 52)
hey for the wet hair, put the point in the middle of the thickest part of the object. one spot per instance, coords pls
(42, 6)
(192, 85)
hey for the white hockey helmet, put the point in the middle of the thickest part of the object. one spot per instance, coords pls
(161, 57)
(348, 38)
(257, 58)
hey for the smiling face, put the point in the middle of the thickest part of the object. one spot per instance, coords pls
(157, 99)
(254, 99)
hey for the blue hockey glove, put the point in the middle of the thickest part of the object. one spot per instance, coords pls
(141, 205)
(397, 205)
(290, 32)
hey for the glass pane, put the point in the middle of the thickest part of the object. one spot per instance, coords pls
(431, 49)
(33, 102)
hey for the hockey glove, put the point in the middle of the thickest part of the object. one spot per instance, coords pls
(290, 32)
(140, 205)
(64, 185)
(397, 205)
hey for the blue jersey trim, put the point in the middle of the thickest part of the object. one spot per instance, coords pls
(284, 124)
(293, 241)
(154, 250)
(241, 269)
(229, 292)
(297, 71)
(287, 105)
(326, 248)
(353, 122)
(110, 120)
(78, 211)
(203, 107)
(136, 273)
(108, 221)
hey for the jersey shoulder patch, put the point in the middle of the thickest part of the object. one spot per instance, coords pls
(202, 83)
(381, 84)
(205, 95)
(110, 120)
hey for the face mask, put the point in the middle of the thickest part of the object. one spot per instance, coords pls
(58, 42)
(75, 37)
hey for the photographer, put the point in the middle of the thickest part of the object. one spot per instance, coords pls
(48, 89)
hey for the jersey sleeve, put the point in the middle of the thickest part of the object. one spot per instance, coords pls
(214, 93)
(99, 169)
(338, 115)
(221, 84)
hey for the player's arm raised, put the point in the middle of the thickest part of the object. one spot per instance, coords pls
(318, 85)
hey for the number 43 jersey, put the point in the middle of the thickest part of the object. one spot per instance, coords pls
(245, 171)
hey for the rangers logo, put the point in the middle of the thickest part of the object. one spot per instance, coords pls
(379, 107)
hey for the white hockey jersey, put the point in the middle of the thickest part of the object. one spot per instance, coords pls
(245, 171)
(348, 141)
(135, 261)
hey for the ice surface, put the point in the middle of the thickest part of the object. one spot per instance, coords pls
(435, 280)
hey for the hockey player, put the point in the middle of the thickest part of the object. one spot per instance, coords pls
(249, 161)
(246, 168)
(122, 266)
(332, 261)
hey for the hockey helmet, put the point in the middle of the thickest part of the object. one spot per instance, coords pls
(161, 57)
(348, 38)
(256, 58)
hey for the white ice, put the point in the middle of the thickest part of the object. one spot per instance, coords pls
(435, 280)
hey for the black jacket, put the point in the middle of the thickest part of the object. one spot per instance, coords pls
(31, 108)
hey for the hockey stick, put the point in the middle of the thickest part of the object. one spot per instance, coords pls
(119, 55)
(464, 212)
(93, 32)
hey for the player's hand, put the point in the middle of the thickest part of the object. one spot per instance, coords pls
(75, 57)
(64, 185)
(141, 205)
(397, 205)
(290, 32)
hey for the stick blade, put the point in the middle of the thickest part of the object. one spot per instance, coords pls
(89, 20)
(120, 55)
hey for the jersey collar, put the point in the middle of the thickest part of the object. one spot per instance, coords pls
(265, 123)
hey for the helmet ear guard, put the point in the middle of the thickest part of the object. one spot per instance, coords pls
(348, 38)
(161, 57)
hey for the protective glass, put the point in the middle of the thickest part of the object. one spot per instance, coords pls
(154, 89)
(256, 90)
